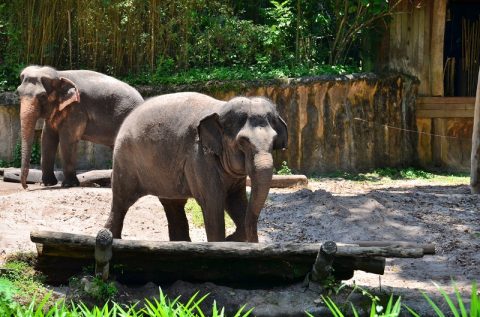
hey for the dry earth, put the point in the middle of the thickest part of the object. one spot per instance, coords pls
(332, 209)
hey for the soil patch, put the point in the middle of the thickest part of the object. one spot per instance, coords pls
(420, 211)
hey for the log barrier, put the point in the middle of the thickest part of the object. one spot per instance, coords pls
(250, 265)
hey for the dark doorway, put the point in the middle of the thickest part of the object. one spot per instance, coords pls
(462, 47)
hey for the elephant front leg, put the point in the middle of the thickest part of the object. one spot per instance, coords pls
(213, 215)
(68, 151)
(236, 204)
(49, 151)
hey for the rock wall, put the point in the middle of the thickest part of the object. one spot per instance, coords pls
(335, 123)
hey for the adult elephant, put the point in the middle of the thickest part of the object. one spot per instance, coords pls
(185, 145)
(76, 105)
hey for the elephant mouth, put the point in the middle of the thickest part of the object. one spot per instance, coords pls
(227, 166)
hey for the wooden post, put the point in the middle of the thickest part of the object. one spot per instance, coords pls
(475, 157)
(103, 253)
(322, 268)
(436, 46)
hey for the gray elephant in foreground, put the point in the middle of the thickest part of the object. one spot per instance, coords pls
(76, 105)
(184, 145)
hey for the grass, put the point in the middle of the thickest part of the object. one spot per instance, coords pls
(194, 212)
(390, 174)
(20, 281)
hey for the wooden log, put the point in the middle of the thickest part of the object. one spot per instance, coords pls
(221, 262)
(284, 181)
(427, 248)
(12, 175)
(221, 249)
(103, 178)
(475, 155)
(323, 268)
(95, 178)
(86, 179)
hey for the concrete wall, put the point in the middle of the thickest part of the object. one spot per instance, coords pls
(335, 122)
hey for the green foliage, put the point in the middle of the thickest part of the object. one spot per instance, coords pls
(376, 307)
(220, 73)
(458, 309)
(193, 209)
(10, 48)
(17, 156)
(190, 41)
(161, 306)
(388, 173)
(284, 169)
(102, 291)
(24, 283)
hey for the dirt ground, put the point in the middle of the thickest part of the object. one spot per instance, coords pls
(421, 211)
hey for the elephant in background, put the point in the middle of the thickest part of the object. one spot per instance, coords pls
(188, 144)
(76, 105)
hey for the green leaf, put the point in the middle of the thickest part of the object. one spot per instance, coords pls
(433, 305)
(449, 301)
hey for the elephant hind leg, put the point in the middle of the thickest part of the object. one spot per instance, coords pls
(124, 195)
(177, 219)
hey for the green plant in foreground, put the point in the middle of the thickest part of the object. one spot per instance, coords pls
(161, 306)
(376, 309)
(456, 310)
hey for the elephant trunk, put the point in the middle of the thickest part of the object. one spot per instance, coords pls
(260, 173)
(29, 113)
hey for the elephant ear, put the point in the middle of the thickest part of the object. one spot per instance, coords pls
(68, 93)
(210, 133)
(281, 141)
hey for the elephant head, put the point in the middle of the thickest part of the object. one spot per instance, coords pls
(43, 94)
(243, 136)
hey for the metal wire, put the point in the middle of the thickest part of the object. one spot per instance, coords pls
(412, 131)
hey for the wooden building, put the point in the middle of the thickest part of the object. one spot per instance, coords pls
(438, 41)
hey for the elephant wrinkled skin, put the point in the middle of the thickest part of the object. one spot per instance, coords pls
(185, 145)
(76, 105)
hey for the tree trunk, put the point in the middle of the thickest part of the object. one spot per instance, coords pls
(475, 157)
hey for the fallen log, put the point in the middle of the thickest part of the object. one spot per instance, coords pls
(86, 179)
(284, 181)
(103, 178)
(12, 175)
(428, 249)
(100, 178)
(61, 255)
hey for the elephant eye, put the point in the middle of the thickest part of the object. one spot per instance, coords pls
(258, 121)
(47, 84)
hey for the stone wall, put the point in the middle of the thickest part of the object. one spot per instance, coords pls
(325, 119)
(335, 123)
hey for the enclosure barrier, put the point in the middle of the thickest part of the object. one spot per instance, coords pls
(62, 255)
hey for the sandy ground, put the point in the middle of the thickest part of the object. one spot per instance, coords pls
(332, 209)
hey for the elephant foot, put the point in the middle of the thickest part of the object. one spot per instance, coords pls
(71, 182)
(237, 237)
(49, 180)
